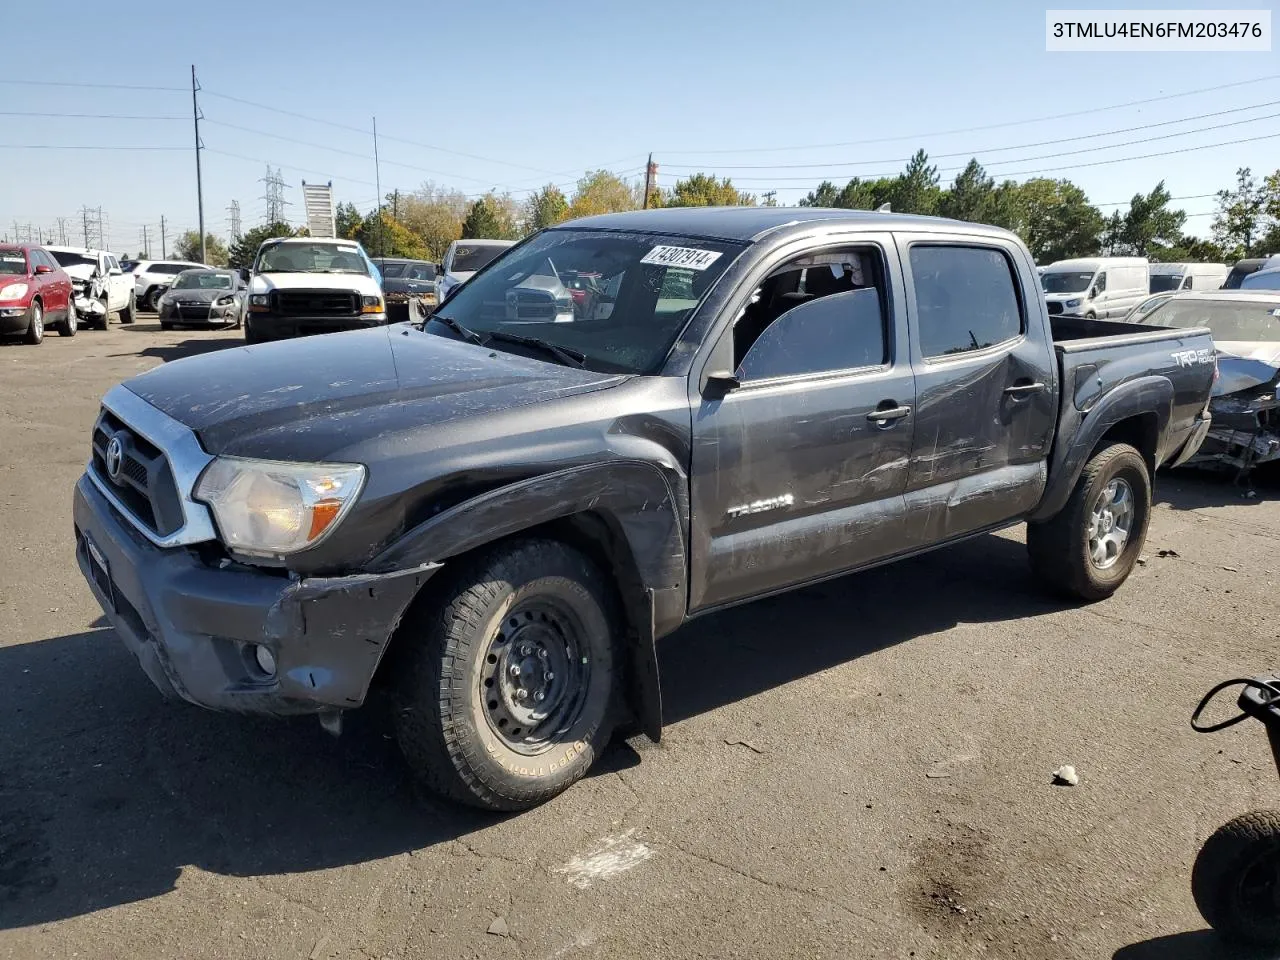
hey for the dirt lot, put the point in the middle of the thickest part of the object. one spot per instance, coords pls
(859, 770)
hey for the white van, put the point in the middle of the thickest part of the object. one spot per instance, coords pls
(1166, 277)
(1098, 288)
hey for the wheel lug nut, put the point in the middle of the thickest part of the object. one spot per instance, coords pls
(525, 649)
(542, 654)
(548, 676)
(515, 669)
(539, 696)
(521, 693)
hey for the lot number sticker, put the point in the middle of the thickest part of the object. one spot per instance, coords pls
(688, 257)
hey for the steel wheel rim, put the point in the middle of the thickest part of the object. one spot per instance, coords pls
(1110, 524)
(37, 320)
(71, 319)
(534, 675)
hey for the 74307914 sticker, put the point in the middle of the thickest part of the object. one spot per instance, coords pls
(690, 258)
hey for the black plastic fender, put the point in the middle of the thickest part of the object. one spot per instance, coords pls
(1142, 396)
(634, 500)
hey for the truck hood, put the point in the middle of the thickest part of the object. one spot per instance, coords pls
(79, 271)
(304, 399)
(266, 282)
(1243, 365)
(1063, 297)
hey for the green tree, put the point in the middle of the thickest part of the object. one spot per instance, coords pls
(545, 208)
(916, 189)
(1149, 224)
(389, 238)
(436, 220)
(484, 221)
(245, 248)
(187, 247)
(347, 220)
(704, 190)
(825, 195)
(1240, 214)
(1113, 233)
(769, 198)
(1057, 221)
(971, 195)
(600, 191)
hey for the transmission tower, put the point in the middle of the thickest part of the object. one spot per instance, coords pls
(233, 213)
(95, 230)
(274, 195)
(62, 231)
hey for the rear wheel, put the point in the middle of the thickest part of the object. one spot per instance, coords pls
(130, 311)
(1236, 879)
(1089, 548)
(506, 692)
(71, 324)
(153, 299)
(35, 323)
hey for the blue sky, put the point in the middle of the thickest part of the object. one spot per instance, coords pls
(516, 94)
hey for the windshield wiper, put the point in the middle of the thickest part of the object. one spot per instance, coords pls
(466, 333)
(563, 354)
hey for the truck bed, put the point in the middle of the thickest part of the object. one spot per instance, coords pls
(1070, 329)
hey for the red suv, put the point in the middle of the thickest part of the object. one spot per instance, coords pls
(34, 293)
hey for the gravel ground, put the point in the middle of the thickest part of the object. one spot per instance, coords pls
(861, 769)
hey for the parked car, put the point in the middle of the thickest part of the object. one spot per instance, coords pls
(303, 285)
(203, 296)
(1246, 405)
(35, 293)
(1242, 269)
(1186, 276)
(99, 286)
(1096, 288)
(1144, 307)
(1265, 279)
(463, 260)
(405, 280)
(498, 520)
(152, 277)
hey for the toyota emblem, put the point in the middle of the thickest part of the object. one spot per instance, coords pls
(114, 459)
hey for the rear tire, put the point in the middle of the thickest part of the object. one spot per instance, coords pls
(35, 326)
(506, 679)
(1078, 552)
(1235, 878)
(71, 324)
(130, 311)
(152, 299)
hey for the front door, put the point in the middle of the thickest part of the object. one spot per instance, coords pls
(985, 376)
(798, 472)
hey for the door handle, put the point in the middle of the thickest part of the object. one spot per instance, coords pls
(888, 415)
(1023, 389)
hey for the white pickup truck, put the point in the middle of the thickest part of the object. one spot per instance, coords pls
(100, 287)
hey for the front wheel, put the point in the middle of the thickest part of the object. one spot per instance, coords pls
(35, 325)
(153, 299)
(1236, 879)
(1088, 549)
(507, 682)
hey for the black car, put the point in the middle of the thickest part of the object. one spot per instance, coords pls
(405, 280)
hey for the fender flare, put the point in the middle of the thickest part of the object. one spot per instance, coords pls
(1143, 396)
(637, 504)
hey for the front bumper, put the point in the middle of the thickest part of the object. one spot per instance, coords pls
(192, 626)
(14, 319)
(199, 313)
(271, 326)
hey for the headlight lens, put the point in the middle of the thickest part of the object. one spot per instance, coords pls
(13, 291)
(371, 305)
(226, 301)
(259, 299)
(1073, 303)
(272, 509)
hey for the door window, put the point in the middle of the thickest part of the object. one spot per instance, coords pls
(1189, 283)
(966, 298)
(814, 314)
(1100, 283)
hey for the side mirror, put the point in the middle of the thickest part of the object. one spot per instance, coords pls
(720, 382)
(41, 268)
(115, 271)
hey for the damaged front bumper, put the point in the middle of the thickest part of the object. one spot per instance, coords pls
(194, 627)
(1245, 431)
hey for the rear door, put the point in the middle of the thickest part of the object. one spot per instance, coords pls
(797, 474)
(985, 377)
(55, 287)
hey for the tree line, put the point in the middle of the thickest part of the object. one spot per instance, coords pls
(1054, 217)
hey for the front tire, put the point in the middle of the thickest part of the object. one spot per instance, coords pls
(152, 299)
(35, 326)
(1236, 879)
(103, 321)
(507, 681)
(1089, 548)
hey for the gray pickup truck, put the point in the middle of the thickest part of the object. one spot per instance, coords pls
(495, 518)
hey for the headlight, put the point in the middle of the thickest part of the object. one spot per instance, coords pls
(226, 301)
(13, 291)
(371, 305)
(1073, 303)
(259, 299)
(271, 509)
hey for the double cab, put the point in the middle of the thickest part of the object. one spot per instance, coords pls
(494, 517)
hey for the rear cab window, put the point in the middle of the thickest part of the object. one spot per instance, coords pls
(966, 298)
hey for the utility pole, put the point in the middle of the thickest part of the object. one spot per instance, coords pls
(395, 205)
(650, 178)
(195, 116)
(146, 245)
(164, 252)
(377, 176)
(84, 211)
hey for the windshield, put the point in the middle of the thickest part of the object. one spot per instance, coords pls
(1161, 282)
(1064, 282)
(69, 259)
(13, 263)
(620, 299)
(1228, 320)
(392, 269)
(310, 258)
(471, 258)
(202, 281)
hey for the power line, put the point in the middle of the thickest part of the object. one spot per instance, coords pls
(78, 146)
(93, 86)
(989, 126)
(1019, 146)
(89, 116)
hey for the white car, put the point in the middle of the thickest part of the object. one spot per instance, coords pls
(463, 259)
(101, 288)
(151, 277)
(305, 285)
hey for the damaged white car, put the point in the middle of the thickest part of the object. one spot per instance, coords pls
(1245, 405)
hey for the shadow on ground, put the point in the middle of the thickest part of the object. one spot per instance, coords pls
(167, 352)
(1192, 489)
(107, 792)
(1199, 945)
